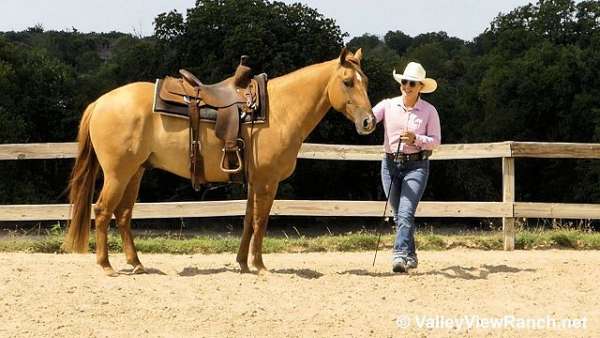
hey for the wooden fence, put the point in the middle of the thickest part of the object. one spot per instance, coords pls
(507, 209)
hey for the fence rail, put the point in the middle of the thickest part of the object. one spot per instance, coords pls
(507, 209)
(38, 151)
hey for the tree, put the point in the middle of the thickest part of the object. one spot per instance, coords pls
(278, 37)
(398, 41)
(536, 76)
(533, 75)
(367, 42)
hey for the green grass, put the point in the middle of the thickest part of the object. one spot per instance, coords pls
(360, 241)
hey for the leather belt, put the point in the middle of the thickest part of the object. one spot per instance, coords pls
(406, 157)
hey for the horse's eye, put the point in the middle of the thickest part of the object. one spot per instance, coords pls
(348, 82)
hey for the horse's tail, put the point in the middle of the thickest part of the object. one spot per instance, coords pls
(81, 188)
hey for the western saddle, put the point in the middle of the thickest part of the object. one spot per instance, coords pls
(238, 99)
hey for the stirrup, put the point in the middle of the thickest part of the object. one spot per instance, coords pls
(239, 159)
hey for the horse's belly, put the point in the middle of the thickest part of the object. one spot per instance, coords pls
(170, 150)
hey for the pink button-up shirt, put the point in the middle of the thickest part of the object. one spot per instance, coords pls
(422, 119)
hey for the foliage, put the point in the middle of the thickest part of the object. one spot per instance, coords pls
(532, 75)
(278, 37)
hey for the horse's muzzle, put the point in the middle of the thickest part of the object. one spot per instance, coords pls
(366, 124)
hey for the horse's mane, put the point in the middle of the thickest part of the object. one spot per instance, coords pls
(304, 72)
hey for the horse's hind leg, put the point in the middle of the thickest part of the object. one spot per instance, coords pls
(123, 216)
(110, 197)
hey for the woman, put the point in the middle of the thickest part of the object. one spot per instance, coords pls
(412, 130)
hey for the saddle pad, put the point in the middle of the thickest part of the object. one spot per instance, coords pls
(177, 107)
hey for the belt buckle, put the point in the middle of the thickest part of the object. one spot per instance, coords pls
(400, 159)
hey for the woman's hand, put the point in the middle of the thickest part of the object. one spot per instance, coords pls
(408, 137)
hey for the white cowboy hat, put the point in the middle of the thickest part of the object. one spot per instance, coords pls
(415, 72)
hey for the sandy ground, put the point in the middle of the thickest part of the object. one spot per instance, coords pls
(305, 295)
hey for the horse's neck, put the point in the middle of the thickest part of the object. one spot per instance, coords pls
(299, 100)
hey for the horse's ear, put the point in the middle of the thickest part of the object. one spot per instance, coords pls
(343, 55)
(358, 54)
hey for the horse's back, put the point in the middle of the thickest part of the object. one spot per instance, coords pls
(132, 95)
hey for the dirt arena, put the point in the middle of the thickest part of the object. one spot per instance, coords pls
(305, 295)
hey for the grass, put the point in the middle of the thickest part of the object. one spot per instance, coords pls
(357, 241)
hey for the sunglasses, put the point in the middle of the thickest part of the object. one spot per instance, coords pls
(410, 83)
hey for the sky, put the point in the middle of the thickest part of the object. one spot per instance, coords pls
(464, 19)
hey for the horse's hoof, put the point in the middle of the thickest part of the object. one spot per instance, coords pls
(139, 269)
(109, 272)
(263, 272)
(244, 268)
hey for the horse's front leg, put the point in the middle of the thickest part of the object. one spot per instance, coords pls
(261, 206)
(242, 255)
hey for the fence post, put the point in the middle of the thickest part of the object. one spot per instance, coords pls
(508, 196)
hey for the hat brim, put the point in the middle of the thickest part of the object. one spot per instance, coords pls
(429, 85)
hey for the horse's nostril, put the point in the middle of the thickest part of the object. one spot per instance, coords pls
(368, 123)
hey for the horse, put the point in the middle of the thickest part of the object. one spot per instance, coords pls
(121, 135)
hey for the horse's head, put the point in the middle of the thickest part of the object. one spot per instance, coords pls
(347, 91)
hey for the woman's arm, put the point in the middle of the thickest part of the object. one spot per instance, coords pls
(379, 110)
(433, 137)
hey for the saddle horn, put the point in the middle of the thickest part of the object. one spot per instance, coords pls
(243, 73)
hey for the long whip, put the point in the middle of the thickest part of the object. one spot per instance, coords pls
(387, 200)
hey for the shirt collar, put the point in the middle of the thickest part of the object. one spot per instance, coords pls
(417, 106)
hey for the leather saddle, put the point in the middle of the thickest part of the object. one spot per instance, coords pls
(238, 99)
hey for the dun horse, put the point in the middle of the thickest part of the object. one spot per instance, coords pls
(121, 135)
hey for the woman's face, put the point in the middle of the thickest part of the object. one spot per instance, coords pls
(410, 89)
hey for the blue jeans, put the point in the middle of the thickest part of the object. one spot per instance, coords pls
(407, 187)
